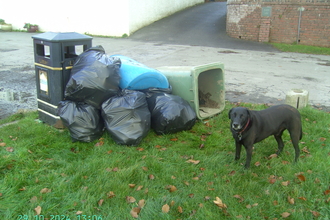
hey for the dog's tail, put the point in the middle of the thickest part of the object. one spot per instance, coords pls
(301, 133)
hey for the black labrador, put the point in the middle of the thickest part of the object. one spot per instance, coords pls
(249, 127)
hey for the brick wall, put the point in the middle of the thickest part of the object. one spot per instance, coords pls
(277, 21)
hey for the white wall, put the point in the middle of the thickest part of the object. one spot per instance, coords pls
(98, 17)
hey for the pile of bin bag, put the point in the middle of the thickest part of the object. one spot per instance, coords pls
(99, 97)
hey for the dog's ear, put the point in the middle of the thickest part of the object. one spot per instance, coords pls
(248, 113)
(229, 113)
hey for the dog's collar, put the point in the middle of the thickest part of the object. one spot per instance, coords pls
(239, 134)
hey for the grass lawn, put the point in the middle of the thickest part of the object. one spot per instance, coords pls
(299, 48)
(177, 176)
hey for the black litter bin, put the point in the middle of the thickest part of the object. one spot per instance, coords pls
(54, 55)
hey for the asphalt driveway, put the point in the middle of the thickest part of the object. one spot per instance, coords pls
(201, 25)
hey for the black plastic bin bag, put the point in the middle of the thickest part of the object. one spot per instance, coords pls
(152, 90)
(127, 117)
(170, 113)
(83, 120)
(94, 77)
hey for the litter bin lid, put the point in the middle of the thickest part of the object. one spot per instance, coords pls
(61, 36)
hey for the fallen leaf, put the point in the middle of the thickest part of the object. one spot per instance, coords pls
(290, 200)
(79, 212)
(186, 183)
(272, 156)
(327, 192)
(195, 178)
(272, 181)
(74, 150)
(10, 149)
(38, 210)
(305, 150)
(151, 177)
(100, 143)
(302, 198)
(193, 212)
(115, 169)
(141, 203)
(139, 188)
(137, 210)
(180, 210)
(22, 189)
(315, 213)
(130, 199)
(285, 214)
(2, 144)
(34, 199)
(173, 177)
(134, 213)
(301, 177)
(140, 149)
(174, 139)
(171, 188)
(191, 195)
(111, 194)
(248, 206)
(193, 161)
(145, 168)
(165, 208)
(275, 202)
(146, 191)
(232, 173)
(45, 190)
(322, 139)
(286, 183)
(172, 203)
(254, 174)
(239, 197)
(100, 202)
(257, 164)
(255, 204)
(219, 203)
(131, 185)
(201, 146)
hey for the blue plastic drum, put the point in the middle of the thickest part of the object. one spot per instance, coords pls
(136, 76)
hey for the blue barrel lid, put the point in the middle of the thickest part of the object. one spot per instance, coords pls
(137, 76)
